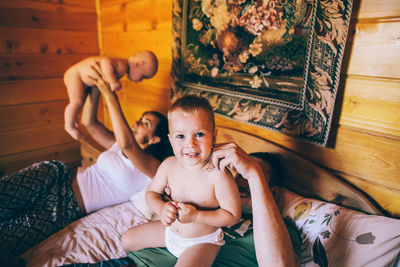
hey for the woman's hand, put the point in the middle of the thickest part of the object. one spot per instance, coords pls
(100, 82)
(232, 156)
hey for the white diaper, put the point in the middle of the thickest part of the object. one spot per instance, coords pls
(177, 244)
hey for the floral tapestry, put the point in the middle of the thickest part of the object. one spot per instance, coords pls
(271, 63)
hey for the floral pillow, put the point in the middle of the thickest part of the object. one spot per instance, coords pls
(336, 236)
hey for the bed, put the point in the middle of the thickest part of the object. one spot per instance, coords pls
(338, 224)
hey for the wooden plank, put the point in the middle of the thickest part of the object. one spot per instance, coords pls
(44, 41)
(136, 16)
(68, 153)
(21, 67)
(18, 141)
(31, 91)
(30, 14)
(371, 104)
(376, 49)
(372, 157)
(31, 115)
(125, 43)
(86, 3)
(388, 199)
(376, 8)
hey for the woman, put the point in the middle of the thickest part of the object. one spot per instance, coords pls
(45, 197)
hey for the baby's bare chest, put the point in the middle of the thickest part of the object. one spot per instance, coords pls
(193, 189)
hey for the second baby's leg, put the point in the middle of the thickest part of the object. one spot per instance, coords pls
(77, 95)
(147, 235)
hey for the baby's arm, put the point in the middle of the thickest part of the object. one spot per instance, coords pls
(166, 210)
(113, 69)
(228, 197)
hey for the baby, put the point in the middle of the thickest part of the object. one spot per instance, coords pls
(203, 198)
(79, 77)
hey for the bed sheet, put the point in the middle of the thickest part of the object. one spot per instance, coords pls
(90, 239)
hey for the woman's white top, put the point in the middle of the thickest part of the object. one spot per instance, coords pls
(113, 179)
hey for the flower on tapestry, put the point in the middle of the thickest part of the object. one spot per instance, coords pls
(253, 40)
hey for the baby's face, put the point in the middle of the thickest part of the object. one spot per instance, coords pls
(192, 137)
(139, 69)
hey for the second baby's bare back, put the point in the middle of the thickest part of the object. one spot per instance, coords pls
(83, 70)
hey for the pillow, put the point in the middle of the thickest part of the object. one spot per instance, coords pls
(336, 236)
(139, 201)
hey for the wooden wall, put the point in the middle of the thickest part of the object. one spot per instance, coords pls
(365, 144)
(39, 41)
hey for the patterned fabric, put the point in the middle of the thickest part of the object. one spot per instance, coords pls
(34, 203)
(332, 235)
(124, 262)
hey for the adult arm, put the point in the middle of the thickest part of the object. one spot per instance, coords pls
(96, 129)
(271, 238)
(111, 67)
(144, 161)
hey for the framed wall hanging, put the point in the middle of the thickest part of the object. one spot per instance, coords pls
(270, 63)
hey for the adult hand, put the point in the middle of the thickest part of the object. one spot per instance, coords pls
(232, 156)
(99, 80)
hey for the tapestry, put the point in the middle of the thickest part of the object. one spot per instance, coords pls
(271, 63)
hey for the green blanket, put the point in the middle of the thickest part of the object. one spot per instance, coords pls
(237, 251)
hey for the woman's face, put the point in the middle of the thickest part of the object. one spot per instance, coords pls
(144, 128)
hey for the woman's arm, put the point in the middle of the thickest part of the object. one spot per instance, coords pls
(96, 129)
(271, 238)
(144, 161)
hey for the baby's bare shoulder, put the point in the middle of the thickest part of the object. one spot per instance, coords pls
(217, 175)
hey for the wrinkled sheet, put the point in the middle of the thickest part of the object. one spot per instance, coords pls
(90, 239)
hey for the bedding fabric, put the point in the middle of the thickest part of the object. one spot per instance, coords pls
(35, 202)
(332, 235)
(238, 250)
(91, 239)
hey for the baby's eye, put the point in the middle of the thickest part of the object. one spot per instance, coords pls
(201, 134)
(180, 136)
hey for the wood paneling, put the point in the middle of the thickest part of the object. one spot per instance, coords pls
(29, 91)
(372, 104)
(31, 116)
(39, 41)
(68, 153)
(123, 44)
(43, 41)
(376, 49)
(377, 9)
(18, 141)
(135, 16)
(34, 66)
(30, 14)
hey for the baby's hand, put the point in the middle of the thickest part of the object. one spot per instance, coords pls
(168, 213)
(186, 213)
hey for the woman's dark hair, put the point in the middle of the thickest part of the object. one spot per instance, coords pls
(277, 170)
(162, 149)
